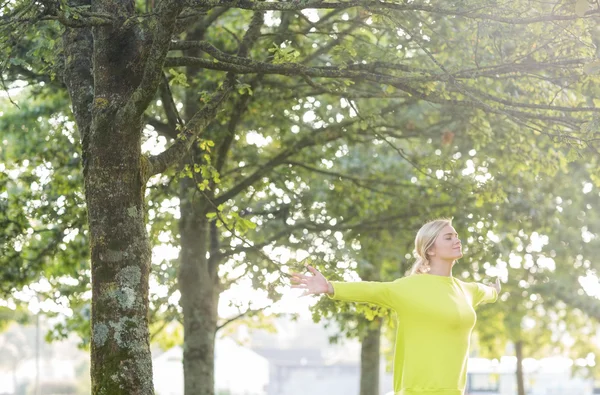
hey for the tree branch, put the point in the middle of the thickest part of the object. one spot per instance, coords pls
(243, 102)
(162, 128)
(354, 72)
(200, 120)
(319, 136)
(164, 25)
(374, 5)
(244, 65)
(161, 162)
(241, 66)
(260, 245)
(79, 46)
(359, 181)
(79, 19)
(169, 106)
(237, 317)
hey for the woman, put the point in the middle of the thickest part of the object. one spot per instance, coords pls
(435, 312)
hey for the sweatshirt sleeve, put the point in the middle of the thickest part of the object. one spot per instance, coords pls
(374, 292)
(484, 294)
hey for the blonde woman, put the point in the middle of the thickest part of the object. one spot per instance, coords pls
(435, 312)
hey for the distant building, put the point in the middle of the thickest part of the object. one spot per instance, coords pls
(305, 371)
(238, 370)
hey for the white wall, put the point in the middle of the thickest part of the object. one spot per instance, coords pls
(238, 370)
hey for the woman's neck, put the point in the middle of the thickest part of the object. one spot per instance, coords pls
(440, 268)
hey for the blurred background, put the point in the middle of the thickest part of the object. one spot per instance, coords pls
(346, 130)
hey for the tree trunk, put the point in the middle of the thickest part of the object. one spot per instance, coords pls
(198, 280)
(369, 359)
(120, 254)
(198, 284)
(114, 180)
(520, 378)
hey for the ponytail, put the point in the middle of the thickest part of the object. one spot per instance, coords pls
(421, 266)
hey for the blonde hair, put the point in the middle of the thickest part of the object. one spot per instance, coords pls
(424, 241)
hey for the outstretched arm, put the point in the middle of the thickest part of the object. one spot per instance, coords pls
(364, 291)
(486, 293)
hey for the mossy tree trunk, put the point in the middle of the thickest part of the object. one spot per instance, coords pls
(101, 74)
(112, 72)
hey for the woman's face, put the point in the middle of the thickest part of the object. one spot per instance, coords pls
(447, 245)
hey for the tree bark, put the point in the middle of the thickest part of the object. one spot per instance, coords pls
(198, 284)
(102, 69)
(369, 359)
(520, 377)
(120, 255)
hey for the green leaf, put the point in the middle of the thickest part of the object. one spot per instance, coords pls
(178, 78)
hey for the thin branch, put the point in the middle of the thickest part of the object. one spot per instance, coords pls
(357, 180)
(207, 21)
(505, 102)
(169, 106)
(323, 49)
(244, 100)
(237, 317)
(252, 34)
(93, 19)
(244, 66)
(271, 240)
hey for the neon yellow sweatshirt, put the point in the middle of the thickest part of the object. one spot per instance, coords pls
(435, 317)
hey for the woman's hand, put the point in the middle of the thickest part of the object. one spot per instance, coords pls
(497, 286)
(312, 285)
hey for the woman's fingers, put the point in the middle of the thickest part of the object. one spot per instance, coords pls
(300, 275)
(312, 270)
(296, 280)
(309, 283)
